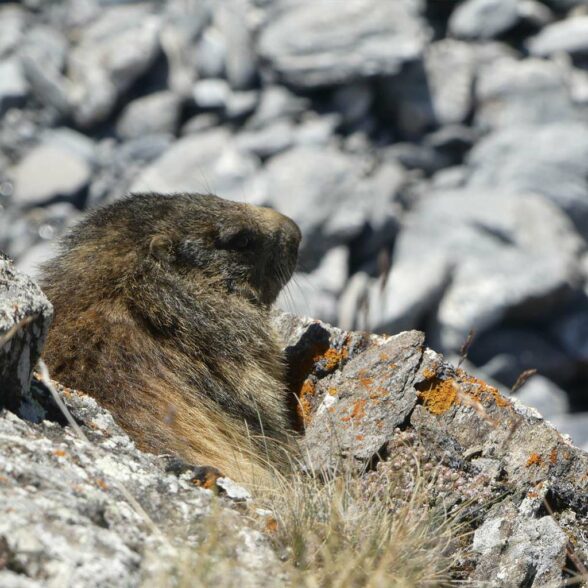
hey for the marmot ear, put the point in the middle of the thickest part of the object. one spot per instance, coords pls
(161, 248)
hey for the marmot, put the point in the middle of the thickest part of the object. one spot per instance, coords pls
(162, 314)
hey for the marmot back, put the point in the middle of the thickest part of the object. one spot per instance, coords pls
(161, 313)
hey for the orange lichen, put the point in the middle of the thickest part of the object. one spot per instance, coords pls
(332, 358)
(304, 407)
(59, 453)
(480, 390)
(534, 459)
(553, 456)
(332, 391)
(101, 484)
(359, 437)
(366, 382)
(357, 412)
(271, 526)
(439, 395)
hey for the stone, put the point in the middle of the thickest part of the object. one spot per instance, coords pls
(156, 113)
(100, 70)
(310, 45)
(566, 36)
(574, 425)
(322, 190)
(205, 162)
(49, 172)
(450, 70)
(473, 245)
(523, 159)
(211, 93)
(571, 331)
(13, 20)
(13, 85)
(483, 19)
(545, 396)
(270, 140)
(275, 103)
(25, 316)
(514, 92)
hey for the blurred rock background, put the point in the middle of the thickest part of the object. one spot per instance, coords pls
(434, 153)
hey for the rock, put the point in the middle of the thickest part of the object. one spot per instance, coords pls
(524, 159)
(206, 162)
(310, 45)
(276, 103)
(211, 54)
(450, 68)
(504, 354)
(150, 115)
(483, 19)
(25, 316)
(30, 263)
(100, 70)
(353, 102)
(13, 85)
(13, 20)
(571, 331)
(49, 172)
(531, 263)
(241, 60)
(71, 502)
(323, 192)
(76, 143)
(542, 394)
(270, 140)
(566, 36)
(528, 92)
(211, 94)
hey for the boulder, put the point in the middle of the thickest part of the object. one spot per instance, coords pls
(312, 45)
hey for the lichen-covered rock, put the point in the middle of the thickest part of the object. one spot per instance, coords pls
(356, 390)
(25, 315)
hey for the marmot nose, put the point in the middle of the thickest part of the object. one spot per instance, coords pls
(277, 222)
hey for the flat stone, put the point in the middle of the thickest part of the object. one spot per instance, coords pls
(13, 85)
(311, 45)
(566, 36)
(150, 115)
(48, 172)
(483, 19)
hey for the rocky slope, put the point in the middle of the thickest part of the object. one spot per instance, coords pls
(83, 507)
(434, 154)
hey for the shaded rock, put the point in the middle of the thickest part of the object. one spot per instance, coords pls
(542, 394)
(206, 162)
(571, 331)
(25, 315)
(312, 45)
(567, 36)
(574, 425)
(527, 92)
(150, 115)
(524, 159)
(98, 68)
(483, 19)
(276, 102)
(49, 172)
(13, 85)
(504, 354)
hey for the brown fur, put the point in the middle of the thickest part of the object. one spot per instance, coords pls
(161, 313)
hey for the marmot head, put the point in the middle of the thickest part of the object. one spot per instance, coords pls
(236, 247)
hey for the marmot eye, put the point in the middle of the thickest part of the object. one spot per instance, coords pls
(240, 241)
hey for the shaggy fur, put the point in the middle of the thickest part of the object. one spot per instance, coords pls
(161, 313)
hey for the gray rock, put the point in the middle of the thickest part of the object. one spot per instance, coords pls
(450, 69)
(241, 60)
(324, 192)
(49, 172)
(543, 395)
(13, 20)
(567, 36)
(241, 104)
(525, 159)
(270, 140)
(13, 85)
(310, 45)
(483, 19)
(68, 519)
(31, 261)
(532, 91)
(211, 54)
(99, 70)
(25, 315)
(497, 257)
(353, 102)
(206, 162)
(150, 115)
(211, 93)
(571, 331)
(275, 103)
(76, 143)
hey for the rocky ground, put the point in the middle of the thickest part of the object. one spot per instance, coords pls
(81, 506)
(435, 154)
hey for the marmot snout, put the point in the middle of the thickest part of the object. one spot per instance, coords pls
(161, 312)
